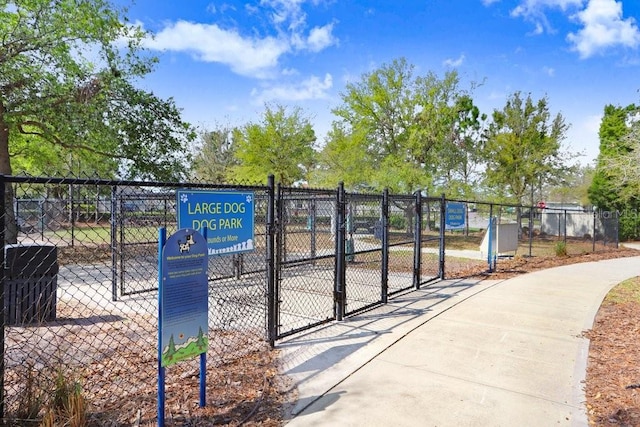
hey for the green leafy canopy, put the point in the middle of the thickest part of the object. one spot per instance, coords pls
(67, 74)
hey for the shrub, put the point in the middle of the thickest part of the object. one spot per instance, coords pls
(561, 249)
(59, 404)
(397, 221)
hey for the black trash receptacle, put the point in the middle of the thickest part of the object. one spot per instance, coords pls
(31, 282)
(377, 230)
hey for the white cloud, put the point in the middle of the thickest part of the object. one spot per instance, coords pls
(222, 8)
(534, 11)
(252, 55)
(321, 38)
(210, 43)
(549, 71)
(286, 12)
(312, 88)
(532, 8)
(604, 27)
(454, 63)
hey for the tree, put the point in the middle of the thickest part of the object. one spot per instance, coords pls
(625, 168)
(615, 184)
(459, 153)
(378, 114)
(66, 83)
(608, 190)
(281, 145)
(169, 351)
(575, 187)
(523, 149)
(397, 122)
(216, 155)
(344, 158)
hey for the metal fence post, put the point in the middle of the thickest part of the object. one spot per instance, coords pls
(443, 209)
(114, 244)
(3, 215)
(279, 243)
(565, 228)
(530, 231)
(384, 224)
(617, 229)
(311, 221)
(417, 241)
(593, 234)
(340, 273)
(490, 237)
(271, 265)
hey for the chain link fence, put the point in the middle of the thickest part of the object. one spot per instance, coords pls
(80, 276)
(81, 282)
(81, 301)
(534, 230)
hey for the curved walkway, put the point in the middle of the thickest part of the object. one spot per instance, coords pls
(457, 353)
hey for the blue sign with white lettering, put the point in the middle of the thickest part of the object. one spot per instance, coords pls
(183, 297)
(455, 215)
(228, 217)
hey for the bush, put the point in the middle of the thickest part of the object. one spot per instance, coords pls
(561, 249)
(51, 402)
(397, 221)
(629, 227)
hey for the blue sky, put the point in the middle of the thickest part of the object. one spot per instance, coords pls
(223, 60)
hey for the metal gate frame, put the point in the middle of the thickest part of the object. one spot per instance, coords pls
(337, 299)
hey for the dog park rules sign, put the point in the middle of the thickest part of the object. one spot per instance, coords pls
(183, 297)
(183, 305)
(228, 217)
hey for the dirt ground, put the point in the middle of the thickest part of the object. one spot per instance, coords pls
(249, 392)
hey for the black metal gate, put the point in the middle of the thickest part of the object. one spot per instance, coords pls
(341, 253)
(305, 259)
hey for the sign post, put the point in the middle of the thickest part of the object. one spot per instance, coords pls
(183, 305)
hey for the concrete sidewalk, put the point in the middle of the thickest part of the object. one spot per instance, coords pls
(457, 353)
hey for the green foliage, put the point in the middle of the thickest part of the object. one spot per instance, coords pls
(67, 95)
(32, 398)
(68, 103)
(51, 401)
(616, 183)
(561, 249)
(397, 221)
(389, 127)
(575, 188)
(281, 145)
(607, 190)
(629, 225)
(344, 158)
(524, 146)
(216, 155)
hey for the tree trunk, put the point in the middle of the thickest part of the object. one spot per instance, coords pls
(409, 213)
(11, 227)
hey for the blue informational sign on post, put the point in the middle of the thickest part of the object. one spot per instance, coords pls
(184, 297)
(227, 215)
(455, 215)
(183, 305)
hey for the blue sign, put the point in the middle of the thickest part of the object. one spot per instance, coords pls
(184, 297)
(228, 217)
(455, 215)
